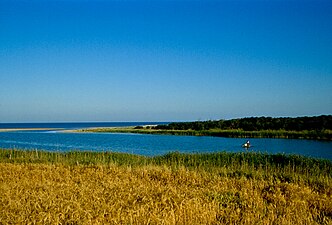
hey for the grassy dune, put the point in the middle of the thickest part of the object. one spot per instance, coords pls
(39, 187)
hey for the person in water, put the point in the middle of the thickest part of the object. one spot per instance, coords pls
(247, 144)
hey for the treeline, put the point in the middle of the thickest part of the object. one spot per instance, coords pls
(314, 123)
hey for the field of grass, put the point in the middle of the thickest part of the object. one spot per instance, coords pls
(315, 135)
(38, 187)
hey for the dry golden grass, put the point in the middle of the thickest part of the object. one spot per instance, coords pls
(149, 194)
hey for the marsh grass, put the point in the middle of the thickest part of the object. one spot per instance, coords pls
(234, 133)
(39, 187)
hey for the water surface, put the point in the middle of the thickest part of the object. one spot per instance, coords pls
(150, 145)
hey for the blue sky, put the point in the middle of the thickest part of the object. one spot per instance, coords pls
(166, 60)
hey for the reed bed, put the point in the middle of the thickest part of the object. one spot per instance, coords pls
(325, 135)
(39, 187)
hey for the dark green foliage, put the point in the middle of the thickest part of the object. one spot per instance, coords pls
(315, 128)
(316, 123)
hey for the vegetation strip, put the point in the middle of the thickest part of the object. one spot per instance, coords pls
(314, 135)
(316, 128)
(317, 123)
(39, 187)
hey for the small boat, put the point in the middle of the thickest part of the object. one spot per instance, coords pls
(246, 145)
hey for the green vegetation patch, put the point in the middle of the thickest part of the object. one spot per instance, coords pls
(315, 128)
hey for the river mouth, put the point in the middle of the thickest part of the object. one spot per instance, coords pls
(153, 145)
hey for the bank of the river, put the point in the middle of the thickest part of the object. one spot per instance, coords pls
(311, 135)
(115, 188)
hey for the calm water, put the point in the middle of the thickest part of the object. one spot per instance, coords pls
(150, 145)
(76, 125)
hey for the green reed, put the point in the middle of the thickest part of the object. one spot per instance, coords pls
(235, 133)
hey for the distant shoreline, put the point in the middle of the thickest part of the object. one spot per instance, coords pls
(4, 127)
(150, 129)
(27, 129)
(308, 135)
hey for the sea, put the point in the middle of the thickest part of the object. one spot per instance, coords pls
(75, 125)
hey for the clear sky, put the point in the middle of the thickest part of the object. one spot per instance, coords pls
(166, 60)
